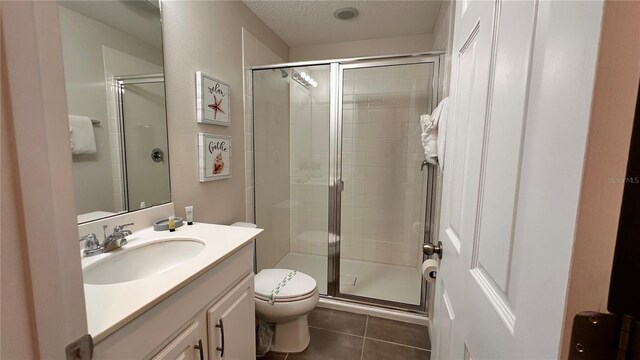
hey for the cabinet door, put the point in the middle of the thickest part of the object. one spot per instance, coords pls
(186, 346)
(231, 324)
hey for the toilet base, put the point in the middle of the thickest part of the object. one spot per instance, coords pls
(291, 336)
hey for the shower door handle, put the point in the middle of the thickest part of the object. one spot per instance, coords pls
(340, 185)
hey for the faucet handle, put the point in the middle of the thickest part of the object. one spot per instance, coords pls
(91, 244)
(119, 228)
(89, 239)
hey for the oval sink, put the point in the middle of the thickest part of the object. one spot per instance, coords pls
(141, 262)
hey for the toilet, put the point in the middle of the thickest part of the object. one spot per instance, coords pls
(285, 297)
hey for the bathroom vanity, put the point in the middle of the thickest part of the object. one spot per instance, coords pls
(187, 294)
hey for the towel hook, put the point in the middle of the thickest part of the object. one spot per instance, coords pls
(424, 163)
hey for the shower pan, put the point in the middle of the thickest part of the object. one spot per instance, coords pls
(339, 186)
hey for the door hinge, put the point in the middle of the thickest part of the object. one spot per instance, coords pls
(604, 336)
(81, 349)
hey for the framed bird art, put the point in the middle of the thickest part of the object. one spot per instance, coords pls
(212, 100)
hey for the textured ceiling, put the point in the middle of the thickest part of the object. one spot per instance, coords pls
(312, 22)
(140, 19)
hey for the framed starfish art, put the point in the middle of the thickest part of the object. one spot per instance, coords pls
(212, 100)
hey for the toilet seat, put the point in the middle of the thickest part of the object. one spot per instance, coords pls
(279, 300)
(284, 285)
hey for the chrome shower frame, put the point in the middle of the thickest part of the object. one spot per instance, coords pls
(120, 82)
(337, 67)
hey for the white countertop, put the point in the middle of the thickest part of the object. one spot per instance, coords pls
(112, 306)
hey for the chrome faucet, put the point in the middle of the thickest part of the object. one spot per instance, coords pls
(111, 242)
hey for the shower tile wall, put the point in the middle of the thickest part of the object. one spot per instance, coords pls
(254, 52)
(309, 163)
(272, 166)
(271, 151)
(383, 200)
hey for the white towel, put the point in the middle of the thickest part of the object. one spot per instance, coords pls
(83, 140)
(430, 138)
(434, 133)
(442, 112)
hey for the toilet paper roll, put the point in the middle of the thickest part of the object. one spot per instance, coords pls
(430, 270)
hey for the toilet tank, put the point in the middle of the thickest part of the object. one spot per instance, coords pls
(244, 224)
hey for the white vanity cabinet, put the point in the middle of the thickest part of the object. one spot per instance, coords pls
(231, 321)
(187, 346)
(183, 324)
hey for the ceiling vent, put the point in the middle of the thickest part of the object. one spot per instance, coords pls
(347, 13)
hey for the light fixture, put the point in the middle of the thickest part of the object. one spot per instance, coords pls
(347, 13)
(303, 79)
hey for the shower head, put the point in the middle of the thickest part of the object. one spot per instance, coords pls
(284, 73)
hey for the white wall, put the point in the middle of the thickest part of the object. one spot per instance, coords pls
(43, 306)
(82, 42)
(443, 40)
(18, 323)
(372, 47)
(207, 36)
(441, 33)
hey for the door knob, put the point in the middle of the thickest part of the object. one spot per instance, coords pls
(430, 249)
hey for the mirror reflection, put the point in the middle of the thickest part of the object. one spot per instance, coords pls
(114, 79)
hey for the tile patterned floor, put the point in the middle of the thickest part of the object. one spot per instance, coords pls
(339, 335)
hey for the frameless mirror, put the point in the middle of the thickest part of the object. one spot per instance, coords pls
(114, 80)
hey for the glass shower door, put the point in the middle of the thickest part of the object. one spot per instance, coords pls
(291, 161)
(382, 205)
(144, 127)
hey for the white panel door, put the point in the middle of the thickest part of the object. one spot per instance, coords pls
(522, 78)
(232, 331)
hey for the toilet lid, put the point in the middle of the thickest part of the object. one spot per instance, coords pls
(280, 284)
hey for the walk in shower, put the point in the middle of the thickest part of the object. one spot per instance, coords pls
(338, 178)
